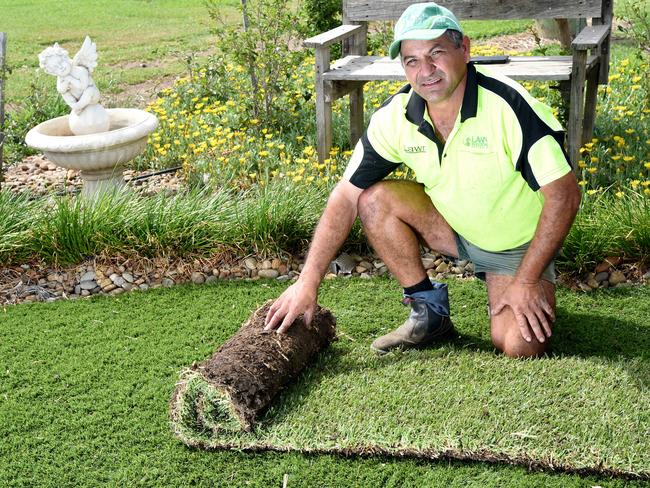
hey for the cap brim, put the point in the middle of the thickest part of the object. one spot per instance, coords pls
(414, 35)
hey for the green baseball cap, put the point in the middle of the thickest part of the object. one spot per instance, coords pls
(422, 22)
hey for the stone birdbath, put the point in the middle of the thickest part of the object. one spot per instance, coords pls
(96, 141)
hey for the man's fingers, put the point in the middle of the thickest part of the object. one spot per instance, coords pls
(270, 314)
(523, 326)
(274, 317)
(535, 325)
(548, 310)
(496, 310)
(286, 323)
(309, 315)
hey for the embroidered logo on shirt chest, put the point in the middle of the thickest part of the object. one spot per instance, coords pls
(476, 142)
(415, 149)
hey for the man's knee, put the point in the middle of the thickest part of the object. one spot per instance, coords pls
(512, 344)
(372, 202)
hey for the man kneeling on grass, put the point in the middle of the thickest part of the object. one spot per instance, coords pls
(493, 186)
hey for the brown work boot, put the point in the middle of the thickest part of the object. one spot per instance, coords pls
(423, 327)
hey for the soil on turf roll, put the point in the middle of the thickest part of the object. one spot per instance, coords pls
(230, 390)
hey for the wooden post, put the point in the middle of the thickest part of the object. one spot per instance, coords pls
(3, 46)
(359, 47)
(576, 110)
(323, 105)
(590, 105)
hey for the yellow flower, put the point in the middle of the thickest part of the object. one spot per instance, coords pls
(646, 191)
(634, 183)
(582, 164)
(264, 153)
(619, 194)
(582, 183)
(594, 159)
(616, 158)
(627, 159)
(591, 192)
(647, 165)
(629, 131)
(592, 170)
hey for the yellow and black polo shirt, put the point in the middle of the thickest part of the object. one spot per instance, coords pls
(485, 178)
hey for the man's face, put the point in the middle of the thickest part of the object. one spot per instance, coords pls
(435, 68)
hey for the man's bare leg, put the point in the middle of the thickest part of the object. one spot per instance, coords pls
(506, 334)
(395, 214)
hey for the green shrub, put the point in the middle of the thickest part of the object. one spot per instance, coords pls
(261, 48)
(320, 16)
(608, 225)
(42, 103)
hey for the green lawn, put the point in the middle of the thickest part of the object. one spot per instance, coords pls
(85, 385)
(129, 34)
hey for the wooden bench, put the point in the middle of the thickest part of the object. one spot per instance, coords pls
(578, 74)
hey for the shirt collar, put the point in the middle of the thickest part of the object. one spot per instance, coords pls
(416, 105)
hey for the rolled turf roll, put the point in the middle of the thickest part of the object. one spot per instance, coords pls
(228, 392)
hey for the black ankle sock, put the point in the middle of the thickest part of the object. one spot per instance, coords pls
(424, 285)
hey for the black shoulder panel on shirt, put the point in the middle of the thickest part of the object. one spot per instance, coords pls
(372, 168)
(533, 128)
(405, 89)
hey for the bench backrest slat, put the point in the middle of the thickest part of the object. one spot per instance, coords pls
(367, 10)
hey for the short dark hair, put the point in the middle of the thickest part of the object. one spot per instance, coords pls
(455, 36)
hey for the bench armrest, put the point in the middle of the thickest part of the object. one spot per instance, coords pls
(590, 37)
(331, 36)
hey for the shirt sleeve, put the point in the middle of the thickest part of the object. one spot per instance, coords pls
(375, 155)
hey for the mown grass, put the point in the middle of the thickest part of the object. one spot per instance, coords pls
(85, 386)
(128, 34)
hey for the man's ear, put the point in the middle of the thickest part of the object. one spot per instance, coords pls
(465, 46)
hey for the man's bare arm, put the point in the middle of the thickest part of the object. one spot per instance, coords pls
(525, 295)
(332, 230)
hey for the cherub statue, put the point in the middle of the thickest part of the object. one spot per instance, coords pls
(76, 86)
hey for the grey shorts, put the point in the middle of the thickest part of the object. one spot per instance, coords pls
(503, 262)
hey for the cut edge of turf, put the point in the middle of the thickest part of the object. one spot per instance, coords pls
(369, 451)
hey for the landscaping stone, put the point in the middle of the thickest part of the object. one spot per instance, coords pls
(268, 273)
(428, 262)
(117, 279)
(602, 276)
(128, 277)
(442, 267)
(250, 263)
(88, 284)
(167, 282)
(197, 278)
(616, 278)
(88, 276)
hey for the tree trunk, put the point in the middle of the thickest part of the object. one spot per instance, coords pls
(230, 390)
